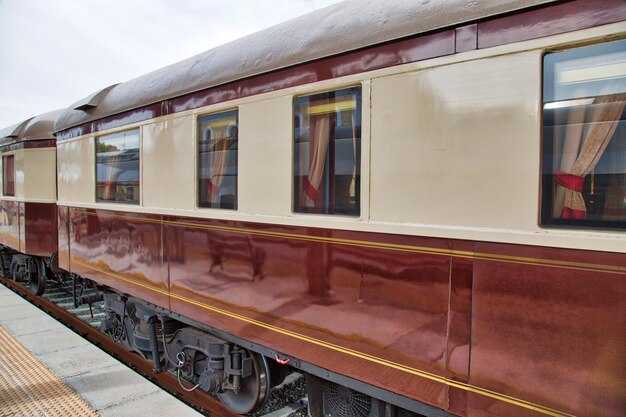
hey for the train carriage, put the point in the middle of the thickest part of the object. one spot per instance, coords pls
(421, 206)
(28, 215)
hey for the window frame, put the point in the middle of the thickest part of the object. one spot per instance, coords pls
(5, 183)
(218, 114)
(138, 200)
(550, 60)
(357, 89)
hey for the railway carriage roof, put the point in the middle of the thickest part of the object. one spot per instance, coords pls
(334, 30)
(36, 128)
(11, 132)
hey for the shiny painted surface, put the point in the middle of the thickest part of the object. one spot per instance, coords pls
(304, 287)
(31, 144)
(64, 231)
(554, 336)
(460, 325)
(550, 20)
(392, 305)
(466, 38)
(29, 228)
(40, 228)
(437, 320)
(547, 20)
(10, 224)
(104, 247)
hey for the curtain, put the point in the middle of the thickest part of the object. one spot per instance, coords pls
(582, 149)
(110, 180)
(354, 150)
(218, 161)
(318, 147)
(9, 175)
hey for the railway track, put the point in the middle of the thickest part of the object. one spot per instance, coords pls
(286, 400)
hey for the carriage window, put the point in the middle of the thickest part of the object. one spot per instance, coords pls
(327, 152)
(217, 160)
(8, 175)
(584, 137)
(117, 167)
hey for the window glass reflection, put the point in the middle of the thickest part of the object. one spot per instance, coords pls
(117, 167)
(327, 152)
(584, 166)
(217, 160)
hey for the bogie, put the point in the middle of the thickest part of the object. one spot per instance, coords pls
(240, 378)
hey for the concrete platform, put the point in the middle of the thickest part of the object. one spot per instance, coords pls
(106, 385)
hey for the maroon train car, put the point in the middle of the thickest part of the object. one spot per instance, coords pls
(28, 211)
(419, 205)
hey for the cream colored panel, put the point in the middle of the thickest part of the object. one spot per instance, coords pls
(76, 170)
(168, 161)
(41, 171)
(458, 145)
(265, 157)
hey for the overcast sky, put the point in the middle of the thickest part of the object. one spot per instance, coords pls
(55, 52)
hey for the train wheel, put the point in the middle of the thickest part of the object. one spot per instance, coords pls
(256, 388)
(38, 279)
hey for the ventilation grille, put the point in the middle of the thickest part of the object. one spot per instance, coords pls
(343, 402)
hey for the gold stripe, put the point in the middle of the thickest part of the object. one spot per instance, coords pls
(341, 349)
(580, 266)
(119, 277)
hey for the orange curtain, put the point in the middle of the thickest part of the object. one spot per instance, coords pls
(318, 147)
(218, 161)
(582, 149)
(110, 182)
(353, 182)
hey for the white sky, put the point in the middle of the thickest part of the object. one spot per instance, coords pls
(55, 52)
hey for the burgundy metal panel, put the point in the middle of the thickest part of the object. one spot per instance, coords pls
(37, 144)
(31, 144)
(10, 224)
(133, 116)
(64, 237)
(40, 228)
(466, 38)
(459, 333)
(22, 224)
(123, 252)
(393, 304)
(549, 20)
(549, 332)
(436, 320)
